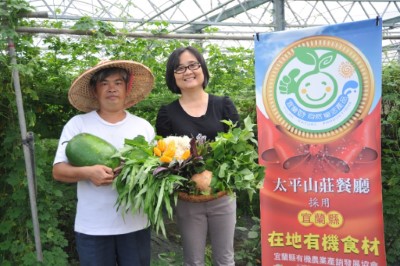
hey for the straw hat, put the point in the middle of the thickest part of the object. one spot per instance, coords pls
(141, 82)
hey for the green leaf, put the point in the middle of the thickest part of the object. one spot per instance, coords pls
(306, 55)
(327, 59)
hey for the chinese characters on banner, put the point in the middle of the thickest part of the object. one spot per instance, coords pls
(318, 114)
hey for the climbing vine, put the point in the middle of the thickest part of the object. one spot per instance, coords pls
(48, 64)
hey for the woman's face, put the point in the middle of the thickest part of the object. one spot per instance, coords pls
(189, 80)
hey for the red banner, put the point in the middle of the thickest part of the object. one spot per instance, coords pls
(322, 202)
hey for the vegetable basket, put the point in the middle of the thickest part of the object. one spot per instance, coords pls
(200, 198)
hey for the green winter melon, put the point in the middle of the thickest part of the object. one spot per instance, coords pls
(86, 149)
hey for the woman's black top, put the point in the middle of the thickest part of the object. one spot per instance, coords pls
(172, 120)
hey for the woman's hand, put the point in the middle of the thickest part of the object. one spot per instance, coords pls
(203, 180)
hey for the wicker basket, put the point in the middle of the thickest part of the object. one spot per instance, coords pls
(200, 198)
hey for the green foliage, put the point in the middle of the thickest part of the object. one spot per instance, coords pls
(167, 258)
(17, 246)
(10, 11)
(249, 253)
(232, 73)
(236, 170)
(148, 182)
(45, 76)
(391, 159)
(138, 186)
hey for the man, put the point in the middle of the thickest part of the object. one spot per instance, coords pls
(105, 236)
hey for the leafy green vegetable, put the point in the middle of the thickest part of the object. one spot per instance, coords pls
(138, 187)
(234, 160)
(146, 183)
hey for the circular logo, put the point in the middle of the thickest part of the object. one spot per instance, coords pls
(318, 89)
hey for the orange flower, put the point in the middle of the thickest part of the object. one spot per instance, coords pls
(161, 145)
(173, 148)
(170, 150)
(185, 155)
(165, 159)
(157, 151)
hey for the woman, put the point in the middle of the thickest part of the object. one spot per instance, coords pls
(197, 112)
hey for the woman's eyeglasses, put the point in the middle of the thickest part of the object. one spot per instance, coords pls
(191, 66)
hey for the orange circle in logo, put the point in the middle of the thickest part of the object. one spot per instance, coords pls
(318, 89)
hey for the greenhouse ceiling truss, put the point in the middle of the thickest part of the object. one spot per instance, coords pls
(232, 22)
(228, 21)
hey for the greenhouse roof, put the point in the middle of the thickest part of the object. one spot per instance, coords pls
(231, 22)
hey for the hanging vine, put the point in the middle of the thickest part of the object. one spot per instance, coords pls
(48, 65)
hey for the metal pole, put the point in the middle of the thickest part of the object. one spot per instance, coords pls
(27, 154)
(279, 15)
(35, 30)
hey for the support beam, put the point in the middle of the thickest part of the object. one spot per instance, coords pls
(159, 13)
(25, 136)
(202, 15)
(228, 13)
(391, 22)
(34, 15)
(279, 15)
(248, 37)
(138, 35)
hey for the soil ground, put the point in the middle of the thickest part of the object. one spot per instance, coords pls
(168, 251)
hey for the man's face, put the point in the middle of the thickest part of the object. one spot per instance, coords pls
(111, 92)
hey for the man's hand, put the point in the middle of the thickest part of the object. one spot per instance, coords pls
(100, 175)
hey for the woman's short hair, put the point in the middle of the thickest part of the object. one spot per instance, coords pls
(106, 72)
(173, 63)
